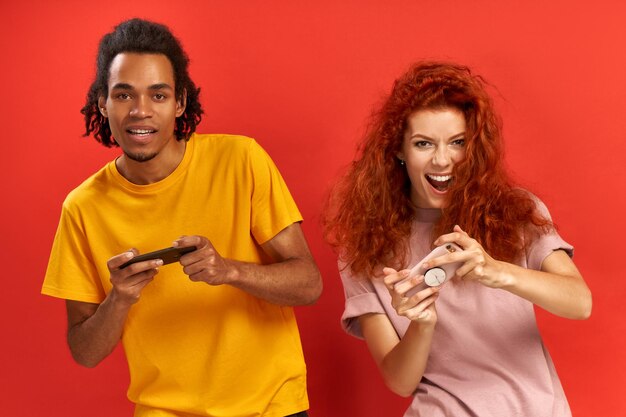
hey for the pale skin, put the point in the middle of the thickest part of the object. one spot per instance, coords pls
(141, 108)
(558, 287)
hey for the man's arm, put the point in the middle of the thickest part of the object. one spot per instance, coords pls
(95, 329)
(293, 278)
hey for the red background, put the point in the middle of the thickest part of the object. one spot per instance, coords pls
(302, 79)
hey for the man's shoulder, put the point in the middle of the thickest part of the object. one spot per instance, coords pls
(223, 140)
(227, 148)
(91, 187)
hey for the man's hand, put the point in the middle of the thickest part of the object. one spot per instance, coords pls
(205, 263)
(292, 279)
(95, 329)
(130, 281)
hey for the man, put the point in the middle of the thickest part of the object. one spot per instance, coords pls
(214, 335)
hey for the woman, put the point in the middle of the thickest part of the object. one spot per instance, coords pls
(430, 173)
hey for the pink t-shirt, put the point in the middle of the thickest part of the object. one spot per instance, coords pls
(487, 357)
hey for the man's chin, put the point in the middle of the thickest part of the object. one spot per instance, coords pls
(140, 157)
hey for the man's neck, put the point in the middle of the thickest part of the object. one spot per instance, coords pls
(154, 170)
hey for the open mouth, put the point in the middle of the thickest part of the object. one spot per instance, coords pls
(141, 132)
(439, 182)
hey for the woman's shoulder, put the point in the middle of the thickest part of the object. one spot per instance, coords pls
(537, 203)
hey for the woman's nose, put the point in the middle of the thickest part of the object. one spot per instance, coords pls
(441, 156)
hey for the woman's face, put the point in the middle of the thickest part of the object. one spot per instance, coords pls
(434, 141)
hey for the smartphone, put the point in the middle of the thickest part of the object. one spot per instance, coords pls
(167, 255)
(436, 276)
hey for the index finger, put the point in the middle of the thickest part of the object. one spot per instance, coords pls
(452, 237)
(392, 277)
(448, 258)
(118, 260)
(195, 240)
(458, 236)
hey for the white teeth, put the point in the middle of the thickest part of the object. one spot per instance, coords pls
(440, 177)
(140, 131)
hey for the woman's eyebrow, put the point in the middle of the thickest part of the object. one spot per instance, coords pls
(422, 136)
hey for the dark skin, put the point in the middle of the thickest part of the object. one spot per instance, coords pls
(293, 279)
(141, 109)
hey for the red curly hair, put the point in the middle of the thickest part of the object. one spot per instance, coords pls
(368, 215)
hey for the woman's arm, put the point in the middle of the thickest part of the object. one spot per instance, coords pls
(402, 361)
(558, 288)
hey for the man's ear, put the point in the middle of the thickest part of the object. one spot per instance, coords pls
(102, 106)
(181, 104)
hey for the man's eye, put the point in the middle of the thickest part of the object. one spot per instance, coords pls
(123, 96)
(159, 97)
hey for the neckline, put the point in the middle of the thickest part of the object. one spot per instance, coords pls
(156, 186)
(427, 215)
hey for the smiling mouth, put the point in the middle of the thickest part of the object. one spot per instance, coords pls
(439, 182)
(141, 132)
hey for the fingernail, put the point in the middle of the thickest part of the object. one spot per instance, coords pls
(158, 262)
(175, 244)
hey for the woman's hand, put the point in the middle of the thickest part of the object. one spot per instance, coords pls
(402, 361)
(558, 287)
(421, 306)
(478, 265)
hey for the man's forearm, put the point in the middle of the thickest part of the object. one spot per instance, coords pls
(92, 338)
(291, 282)
(292, 279)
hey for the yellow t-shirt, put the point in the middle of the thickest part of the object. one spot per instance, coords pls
(193, 349)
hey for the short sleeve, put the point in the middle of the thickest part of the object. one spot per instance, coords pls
(361, 298)
(545, 244)
(273, 207)
(71, 273)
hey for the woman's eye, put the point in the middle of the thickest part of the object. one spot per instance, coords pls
(421, 144)
(459, 142)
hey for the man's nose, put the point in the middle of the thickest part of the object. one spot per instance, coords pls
(142, 107)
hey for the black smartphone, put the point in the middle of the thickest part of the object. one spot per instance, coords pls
(168, 255)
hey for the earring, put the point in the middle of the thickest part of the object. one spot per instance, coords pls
(401, 162)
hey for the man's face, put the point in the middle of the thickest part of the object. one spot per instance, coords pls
(141, 104)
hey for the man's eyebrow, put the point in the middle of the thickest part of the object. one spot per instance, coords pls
(122, 86)
(158, 86)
